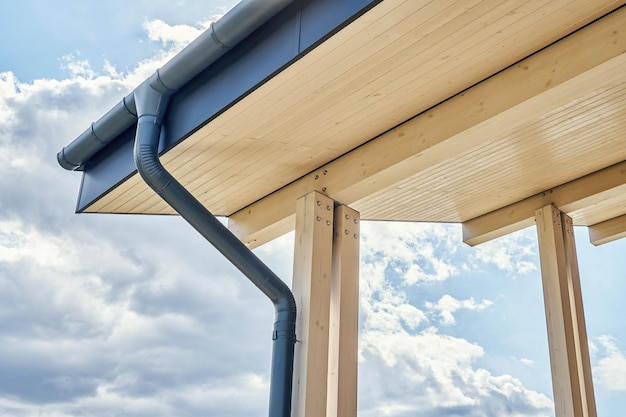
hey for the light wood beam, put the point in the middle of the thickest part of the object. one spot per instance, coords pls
(344, 315)
(574, 195)
(311, 288)
(567, 336)
(462, 123)
(608, 231)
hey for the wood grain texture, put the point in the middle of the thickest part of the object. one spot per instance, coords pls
(567, 337)
(560, 112)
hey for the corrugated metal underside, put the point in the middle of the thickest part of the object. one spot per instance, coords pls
(393, 63)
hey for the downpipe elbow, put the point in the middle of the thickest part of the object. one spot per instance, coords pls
(151, 104)
(147, 156)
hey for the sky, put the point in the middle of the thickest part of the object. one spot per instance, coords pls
(114, 315)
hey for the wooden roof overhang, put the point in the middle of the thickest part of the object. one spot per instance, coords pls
(467, 111)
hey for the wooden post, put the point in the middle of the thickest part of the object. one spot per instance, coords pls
(585, 382)
(344, 315)
(311, 288)
(567, 336)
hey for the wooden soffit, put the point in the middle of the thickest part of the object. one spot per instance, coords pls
(440, 111)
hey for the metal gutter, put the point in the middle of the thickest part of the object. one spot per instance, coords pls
(222, 35)
(146, 106)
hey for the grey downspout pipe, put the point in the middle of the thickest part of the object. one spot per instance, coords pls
(146, 105)
(151, 105)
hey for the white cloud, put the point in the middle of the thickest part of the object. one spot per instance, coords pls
(433, 374)
(8, 87)
(515, 253)
(527, 362)
(448, 305)
(105, 315)
(383, 307)
(244, 394)
(417, 252)
(77, 67)
(610, 369)
(176, 36)
(95, 329)
(408, 367)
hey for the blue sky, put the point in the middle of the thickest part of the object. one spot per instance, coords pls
(130, 315)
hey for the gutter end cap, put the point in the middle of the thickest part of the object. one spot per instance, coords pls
(63, 161)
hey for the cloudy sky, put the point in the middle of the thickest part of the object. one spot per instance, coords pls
(104, 315)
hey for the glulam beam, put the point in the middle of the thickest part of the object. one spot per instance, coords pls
(571, 196)
(608, 230)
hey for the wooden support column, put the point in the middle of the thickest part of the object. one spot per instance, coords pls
(567, 336)
(311, 288)
(344, 315)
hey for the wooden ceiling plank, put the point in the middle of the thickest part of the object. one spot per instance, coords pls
(597, 126)
(360, 67)
(414, 77)
(259, 163)
(451, 128)
(578, 9)
(120, 195)
(468, 166)
(155, 206)
(201, 158)
(556, 101)
(410, 72)
(432, 205)
(241, 150)
(341, 83)
(233, 191)
(486, 156)
(145, 197)
(298, 79)
(471, 175)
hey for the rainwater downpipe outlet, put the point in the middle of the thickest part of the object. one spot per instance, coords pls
(151, 99)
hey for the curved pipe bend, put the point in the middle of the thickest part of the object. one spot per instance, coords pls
(151, 106)
(146, 106)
